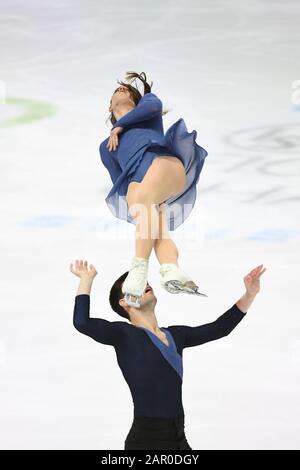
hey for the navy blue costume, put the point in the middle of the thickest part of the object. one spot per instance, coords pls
(152, 370)
(142, 140)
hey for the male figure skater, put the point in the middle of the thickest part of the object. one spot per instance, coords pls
(150, 356)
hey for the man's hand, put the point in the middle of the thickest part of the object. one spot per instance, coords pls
(252, 280)
(252, 285)
(114, 139)
(81, 269)
(86, 276)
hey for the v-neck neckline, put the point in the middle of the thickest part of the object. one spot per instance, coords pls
(162, 328)
(170, 352)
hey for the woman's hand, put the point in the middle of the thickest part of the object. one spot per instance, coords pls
(81, 270)
(114, 139)
(252, 280)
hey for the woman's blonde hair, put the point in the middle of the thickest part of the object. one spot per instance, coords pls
(135, 94)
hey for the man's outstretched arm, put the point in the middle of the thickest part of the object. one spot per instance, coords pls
(100, 330)
(195, 335)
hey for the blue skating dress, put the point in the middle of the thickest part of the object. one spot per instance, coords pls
(141, 140)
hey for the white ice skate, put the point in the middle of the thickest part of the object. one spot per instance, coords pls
(174, 280)
(136, 281)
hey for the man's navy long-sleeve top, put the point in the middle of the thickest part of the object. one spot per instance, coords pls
(152, 370)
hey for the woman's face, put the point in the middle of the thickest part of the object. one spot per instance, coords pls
(120, 95)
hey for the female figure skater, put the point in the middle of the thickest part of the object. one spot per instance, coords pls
(151, 173)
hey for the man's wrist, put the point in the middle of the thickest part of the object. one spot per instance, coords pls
(250, 295)
(245, 301)
(85, 285)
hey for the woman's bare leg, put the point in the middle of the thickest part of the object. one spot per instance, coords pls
(165, 178)
(165, 249)
(147, 228)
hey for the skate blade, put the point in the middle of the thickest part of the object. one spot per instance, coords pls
(184, 287)
(170, 288)
(130, 302)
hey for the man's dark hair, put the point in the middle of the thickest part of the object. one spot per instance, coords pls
(116, 294)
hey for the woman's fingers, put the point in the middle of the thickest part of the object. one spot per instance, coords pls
(113, 142)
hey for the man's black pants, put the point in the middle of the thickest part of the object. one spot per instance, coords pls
(156, 433)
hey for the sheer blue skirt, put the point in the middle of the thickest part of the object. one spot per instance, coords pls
(177, 142)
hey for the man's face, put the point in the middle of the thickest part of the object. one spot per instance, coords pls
(148, 291)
